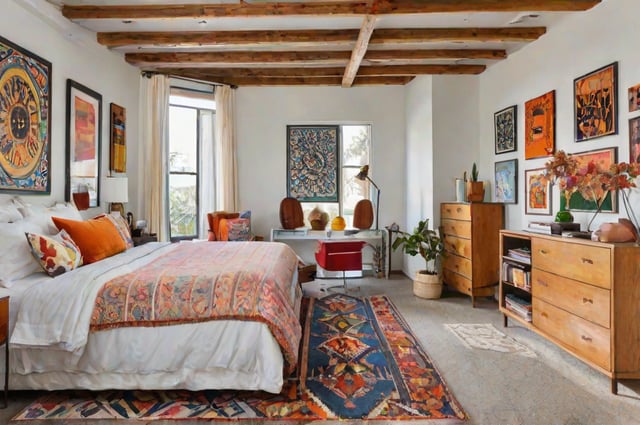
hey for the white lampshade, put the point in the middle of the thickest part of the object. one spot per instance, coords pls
(115, 190)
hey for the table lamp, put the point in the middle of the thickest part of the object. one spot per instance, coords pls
(364, 175)
(115, 190)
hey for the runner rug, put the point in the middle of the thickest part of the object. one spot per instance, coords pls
(359, 361)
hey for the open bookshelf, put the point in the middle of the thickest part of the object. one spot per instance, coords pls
(515, 277)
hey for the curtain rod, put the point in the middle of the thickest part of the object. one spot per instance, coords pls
(149, 74)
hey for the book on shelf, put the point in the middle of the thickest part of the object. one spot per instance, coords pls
(516, 274)
(520, 254)
(518, 306)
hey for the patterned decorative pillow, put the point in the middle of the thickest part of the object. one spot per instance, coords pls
(56, 254)
(235, 229)
(123, 228)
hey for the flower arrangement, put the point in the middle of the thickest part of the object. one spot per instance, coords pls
(592, 182)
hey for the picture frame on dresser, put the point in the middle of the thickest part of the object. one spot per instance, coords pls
(538, 193)
(506, 181)
(595, 97)
(505, 129)
(84, 142)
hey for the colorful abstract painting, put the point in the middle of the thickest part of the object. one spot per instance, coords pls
(504, 123)
(634, 98)
(538, 200)
(634, 140)
(312, 165)
(506, 178)
(118, 161)
(540, 126)
(596, 104)
(603, 158)
(25, 120)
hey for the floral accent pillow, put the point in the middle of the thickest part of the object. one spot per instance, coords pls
(123, 228)
(56, 254)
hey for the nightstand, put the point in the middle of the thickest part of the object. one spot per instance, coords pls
(4, 339)
(144, 238)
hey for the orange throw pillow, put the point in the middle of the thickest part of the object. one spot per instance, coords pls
(97, 238)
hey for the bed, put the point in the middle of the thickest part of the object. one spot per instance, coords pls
(232, 322)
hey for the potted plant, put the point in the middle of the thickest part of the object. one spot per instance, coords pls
(475, 188)
(426, 242)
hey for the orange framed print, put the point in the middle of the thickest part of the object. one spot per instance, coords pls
(596, 104)
(118, 161)
(634, 98)
(540, 126)
(538, 200)
(634, 140)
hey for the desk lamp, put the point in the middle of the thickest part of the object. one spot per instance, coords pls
(364, 175)
(115, 190)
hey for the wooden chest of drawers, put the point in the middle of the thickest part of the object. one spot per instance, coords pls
(584, 297)
(471, 238)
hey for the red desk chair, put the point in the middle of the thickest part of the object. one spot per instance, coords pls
(340, 255)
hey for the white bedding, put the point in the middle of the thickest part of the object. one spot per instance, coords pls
(207, 355)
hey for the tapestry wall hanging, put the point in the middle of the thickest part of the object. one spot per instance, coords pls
(540, 126)
(84, 136)
(312, 164)
(118, 158)
(505, 129)
(596, 104)
(25, 121)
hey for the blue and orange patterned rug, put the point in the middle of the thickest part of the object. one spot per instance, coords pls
(359, 361)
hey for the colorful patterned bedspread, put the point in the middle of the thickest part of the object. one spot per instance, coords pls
(208, 281)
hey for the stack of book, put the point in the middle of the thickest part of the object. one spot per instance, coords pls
(517, 274)
(518, 306)
(539, 227)
(520, 254)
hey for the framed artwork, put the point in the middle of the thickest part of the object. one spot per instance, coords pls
(595, 103)
(538, 200)
(505, 129)
(84, 140)
(603, 158)
(25, 121)
(634, 98)
(506, 181)
(634, 140)
(540, 126)
(118, 157)
(312, 162)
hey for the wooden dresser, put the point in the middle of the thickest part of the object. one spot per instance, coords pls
(584, 297)
(471, 239)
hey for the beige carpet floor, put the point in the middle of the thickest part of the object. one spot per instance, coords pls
(494, 388)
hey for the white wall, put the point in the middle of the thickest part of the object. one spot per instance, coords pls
(263, 114)
(580, 44)
(33, 25)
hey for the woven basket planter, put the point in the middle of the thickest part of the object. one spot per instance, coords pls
(427, 285)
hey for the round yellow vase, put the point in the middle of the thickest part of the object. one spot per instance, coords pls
(338, 223)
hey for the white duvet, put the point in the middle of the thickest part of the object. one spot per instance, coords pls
(51, 347)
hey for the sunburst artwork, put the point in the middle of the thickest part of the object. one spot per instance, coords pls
(25, 120)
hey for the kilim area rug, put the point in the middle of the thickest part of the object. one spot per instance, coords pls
(360, 361)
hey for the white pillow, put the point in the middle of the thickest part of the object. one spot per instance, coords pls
(16, 260)
(9, 214)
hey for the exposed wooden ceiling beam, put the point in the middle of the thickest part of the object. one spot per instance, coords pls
(365, 7)
(203, 59)
(380, 71)
(413, 35)
(359, 50)
(298, 81)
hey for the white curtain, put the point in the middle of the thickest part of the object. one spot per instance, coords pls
(154, 146)
(225, 158)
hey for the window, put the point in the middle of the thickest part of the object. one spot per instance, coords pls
(355, 147)
(190, 125)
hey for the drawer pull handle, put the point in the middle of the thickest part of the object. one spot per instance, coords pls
(458, 209)
(586, 338)
(587, 260)
(543, 314)
(543, 251)
(587, 300)
(543, 283)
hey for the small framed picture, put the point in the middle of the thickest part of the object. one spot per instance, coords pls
(538, 200)
(505, 129)
(506, 181)
(634, 140)
(634, 98)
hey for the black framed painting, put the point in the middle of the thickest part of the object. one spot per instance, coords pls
(595, 97)
(25, 121)
(505, 129)
(84, 141)
(506, 181)
(312, 163)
